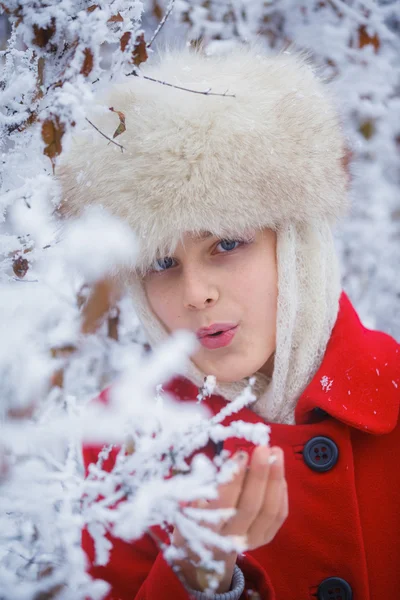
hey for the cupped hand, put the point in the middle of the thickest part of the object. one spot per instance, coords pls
(258, 493)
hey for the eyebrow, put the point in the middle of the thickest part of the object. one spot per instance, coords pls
(204, 235)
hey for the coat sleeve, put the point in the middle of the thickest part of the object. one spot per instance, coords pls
(138, 571)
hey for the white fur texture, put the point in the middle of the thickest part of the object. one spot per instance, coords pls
(270, 155)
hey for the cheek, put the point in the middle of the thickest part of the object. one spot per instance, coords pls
(259, 291)
(162, 303)
(268, 312)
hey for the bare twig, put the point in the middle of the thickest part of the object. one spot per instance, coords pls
(162, 22)
(350, 12)
(104, 135)
(179, 87)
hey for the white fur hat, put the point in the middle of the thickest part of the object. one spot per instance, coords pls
(266, 153)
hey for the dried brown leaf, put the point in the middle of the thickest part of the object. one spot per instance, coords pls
(113, 322)
(20, 266)
(51, 594)
(57, 379)
(87, 64)
(43, 35)
(63, 351)
(52, 134)
(157, 10)
(39, 79)
(121, 127)
(365, 39)
(103, 296)
(45, 571)
(139, 54)
(116, 19)
(91, 8)
(367, 129)
(124, 41)
(29, 121)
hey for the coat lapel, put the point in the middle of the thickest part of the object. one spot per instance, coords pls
(358, 381)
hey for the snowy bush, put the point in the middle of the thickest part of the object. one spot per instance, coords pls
(67, 327)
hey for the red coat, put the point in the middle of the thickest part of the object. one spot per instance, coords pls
(344, 515)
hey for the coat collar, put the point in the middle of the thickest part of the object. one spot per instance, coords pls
(358, 381)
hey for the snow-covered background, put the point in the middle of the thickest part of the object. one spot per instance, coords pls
(67, 329)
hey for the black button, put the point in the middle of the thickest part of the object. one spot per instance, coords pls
(320, 454)
(320, 412)
(334, 588)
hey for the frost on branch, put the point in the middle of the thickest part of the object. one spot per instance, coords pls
(49, 367)
(69, 328)
(151, 475)
(57, 53)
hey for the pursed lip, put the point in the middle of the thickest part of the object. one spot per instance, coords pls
(214, 328)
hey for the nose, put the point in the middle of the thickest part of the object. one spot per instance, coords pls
(198, 290)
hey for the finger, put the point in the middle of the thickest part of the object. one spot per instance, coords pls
(280, 518)
(284, 512)
(269, 518)
(284, 506)
(229, 492)
(225, 490)
(251, 498)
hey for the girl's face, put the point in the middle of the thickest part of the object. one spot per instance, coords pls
(225, 281)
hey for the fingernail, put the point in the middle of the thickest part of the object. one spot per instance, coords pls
(272, 459)
(241, 457)
(275, 456)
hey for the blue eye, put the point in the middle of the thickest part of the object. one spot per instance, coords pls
(229, 244)
(162, 264)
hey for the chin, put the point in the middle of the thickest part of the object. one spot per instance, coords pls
(227, 374)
